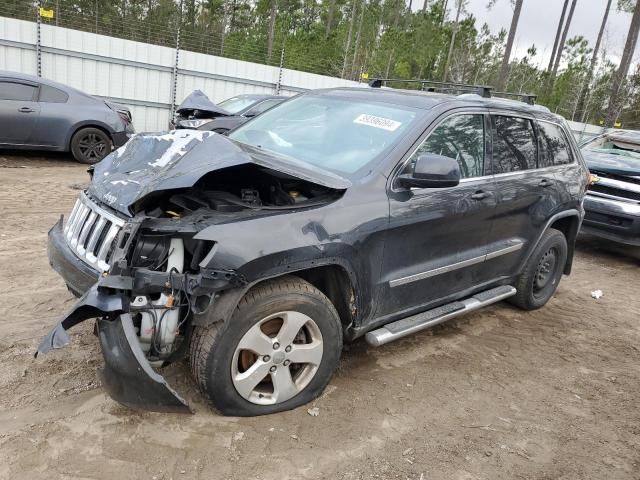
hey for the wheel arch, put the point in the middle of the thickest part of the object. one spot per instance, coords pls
(88, 124)
(568, 222)
(333, 278)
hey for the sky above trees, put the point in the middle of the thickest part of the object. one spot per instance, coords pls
(539, 22)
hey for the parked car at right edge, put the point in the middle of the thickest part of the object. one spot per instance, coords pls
(39, 114)
(338, 214)
(612, 204)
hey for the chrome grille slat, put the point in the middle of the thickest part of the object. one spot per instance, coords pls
(95, 235)
(90, 232)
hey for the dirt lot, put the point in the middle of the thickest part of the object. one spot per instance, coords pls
(498, 394)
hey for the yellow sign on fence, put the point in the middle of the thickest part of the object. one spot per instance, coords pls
(46, 13)
(364, 76)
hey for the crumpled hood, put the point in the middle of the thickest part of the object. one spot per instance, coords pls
(197, 100)
(614, 164)
(152, 162)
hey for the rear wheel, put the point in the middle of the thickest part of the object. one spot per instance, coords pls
(541, 276)
(90, 145)
(277, 352)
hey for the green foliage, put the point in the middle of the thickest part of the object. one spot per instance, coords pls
(387, 37)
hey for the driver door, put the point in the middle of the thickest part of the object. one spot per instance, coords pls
(437, 238)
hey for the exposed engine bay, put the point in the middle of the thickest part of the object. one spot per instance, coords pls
(226, 195)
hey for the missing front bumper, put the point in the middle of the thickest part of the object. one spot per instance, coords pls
(127, 375)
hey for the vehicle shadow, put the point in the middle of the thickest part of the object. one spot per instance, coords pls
(24, 159)
(590, 245)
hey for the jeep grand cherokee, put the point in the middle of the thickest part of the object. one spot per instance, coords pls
(338, 214)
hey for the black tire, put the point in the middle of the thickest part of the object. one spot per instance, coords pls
(541, 276)
(90, 145)
(213, 349)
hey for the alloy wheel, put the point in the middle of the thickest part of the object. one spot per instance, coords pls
(277, 358)
(92, 147)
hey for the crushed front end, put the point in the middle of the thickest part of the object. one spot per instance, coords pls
(132, 278)
(132, 248)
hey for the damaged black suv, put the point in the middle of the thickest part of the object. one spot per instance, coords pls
(337, 214)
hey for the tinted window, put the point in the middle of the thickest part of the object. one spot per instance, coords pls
(460, 137)
(16, 91)
(52, 95)
(261, 107)
(553, 145)
(514, 145)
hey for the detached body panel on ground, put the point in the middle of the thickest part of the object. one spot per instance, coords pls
(336, 214)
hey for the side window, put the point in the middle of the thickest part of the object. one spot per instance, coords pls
(261, 107)
(554, 148)
(52, 95)
(460, 137)
(514, 144)
(17, 91)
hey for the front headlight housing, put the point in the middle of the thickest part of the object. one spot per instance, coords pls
(194, 123)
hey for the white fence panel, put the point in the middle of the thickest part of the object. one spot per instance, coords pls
(140, 75)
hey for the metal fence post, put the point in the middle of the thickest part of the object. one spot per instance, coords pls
(174, 80)
(279, 84)
(38, 41)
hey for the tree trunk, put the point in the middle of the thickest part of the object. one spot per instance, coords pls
(504, 68)
(357, 43)
(582, 101)
(388, 69)
(425, 4)
(563, 39)
(332, 7)
(272, 28)
(453, 40)
(615, 102)
(558, 33)
(347, 47)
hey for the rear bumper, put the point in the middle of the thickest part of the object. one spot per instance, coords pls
(120, 138)
(78, 276)
(612, 220)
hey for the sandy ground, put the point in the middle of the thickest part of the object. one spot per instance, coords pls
(497, 394)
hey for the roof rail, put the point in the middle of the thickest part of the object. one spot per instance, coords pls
(432, 86)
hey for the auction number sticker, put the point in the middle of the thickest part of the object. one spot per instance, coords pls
(377, 122)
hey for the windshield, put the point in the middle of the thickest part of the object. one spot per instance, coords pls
(614, 146)
(236, 104)
(330, 133)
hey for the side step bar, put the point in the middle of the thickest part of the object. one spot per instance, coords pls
(415, 323)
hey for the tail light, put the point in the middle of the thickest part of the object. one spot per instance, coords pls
(125, 116)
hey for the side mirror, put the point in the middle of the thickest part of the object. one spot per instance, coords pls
(432, 171)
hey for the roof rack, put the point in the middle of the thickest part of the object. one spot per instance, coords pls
(432, 86)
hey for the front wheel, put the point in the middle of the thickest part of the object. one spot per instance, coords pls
(541, 276)
(277, 352)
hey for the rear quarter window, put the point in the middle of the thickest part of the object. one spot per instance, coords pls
(514, 144)
(554, 148)
(52, 95)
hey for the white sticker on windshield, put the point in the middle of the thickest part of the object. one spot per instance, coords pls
(377, 122)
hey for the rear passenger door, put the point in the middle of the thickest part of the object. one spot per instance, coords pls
(526, 195)
(558, 158)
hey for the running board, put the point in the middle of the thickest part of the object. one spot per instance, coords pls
(415, 323)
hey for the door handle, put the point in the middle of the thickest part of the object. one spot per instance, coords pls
(26, 110)
(480, 195)
(545, 183)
